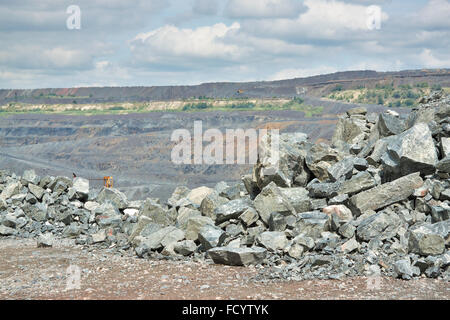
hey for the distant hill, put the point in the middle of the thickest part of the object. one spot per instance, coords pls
(316, 86)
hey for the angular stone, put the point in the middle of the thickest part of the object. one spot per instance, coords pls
(99, 236)
(237, 256)
(249, 217)
(6, 231)
(404, 269)
(357, 111)
(272, 240)
(445, 146)
(10, 190)
(81, 187)
(156, 213)
(155, 240)
(198, 194)
(347, 130)
(232, 209)
(312, 224)
(210, 203)
(211, 236)
(298, 198)
(444, 165)
(114, 196)
(172, 237)
(403, 157)
(277, 222)
(425, 242)
(381, 225)
(389, 125)
(289, 148)
(29, 176)
(185, 247)
(323, 190)
(341, 170)
(385, 194)
(344, 213)
(347, 230)
(350, 246)
(178, 194)
(360, 182)
(271, 199)
(306, 242)
(45, 240)
(195, 224)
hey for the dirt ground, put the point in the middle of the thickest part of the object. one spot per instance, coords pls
(28, 272)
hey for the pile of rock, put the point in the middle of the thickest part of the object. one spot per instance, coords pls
(376, 201)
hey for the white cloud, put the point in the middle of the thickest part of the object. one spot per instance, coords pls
(263, 8)
(203, 42)
(429, 60)
(327, 20)
(434, 15)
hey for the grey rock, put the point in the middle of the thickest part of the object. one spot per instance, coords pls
(272, 240)
(404, 269)
(425, 242)
(179, 193)
(249, 217)
(210, 203)
(277, 222)
(347, 230)
(385, 194)
(99, 237)
(298, 198)
(114, 196)
(381, 225)
(185, 247)
(290, 161)
(237, 256)
(444, 165)
(358, 183)
(232, 209)
(81, 187)
(10, 190)
(6, 231)
(341, 170)
(37, 191)
(156, 213)
(389, 125)
(403, 157)
(45, 240)
(211, 236)
(311, 224)
(29, 176)
(195, 224)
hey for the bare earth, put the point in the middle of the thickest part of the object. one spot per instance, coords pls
(28, 272)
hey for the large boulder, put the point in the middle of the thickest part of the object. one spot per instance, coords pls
(271, 199)
(30, 176)
(81, 187)
(232, 209)
(195, 224)
(389, 125)
(210, 203)
(320, 158)
(424, 241)
(211, 236)
(385, 194)
(237, 256)
(156, 213)
(382, 225)
(197, 195)
(272, 240)
(288, 149)
(10, 190)
(114, 196)
(404, 156)
(360, 182)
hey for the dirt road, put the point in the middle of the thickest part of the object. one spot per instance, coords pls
(28, 272)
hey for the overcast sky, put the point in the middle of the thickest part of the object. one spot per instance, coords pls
(171, 42)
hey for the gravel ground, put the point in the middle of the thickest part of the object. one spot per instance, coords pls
(28, 272)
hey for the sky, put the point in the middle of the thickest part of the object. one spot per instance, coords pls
(78, 43)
